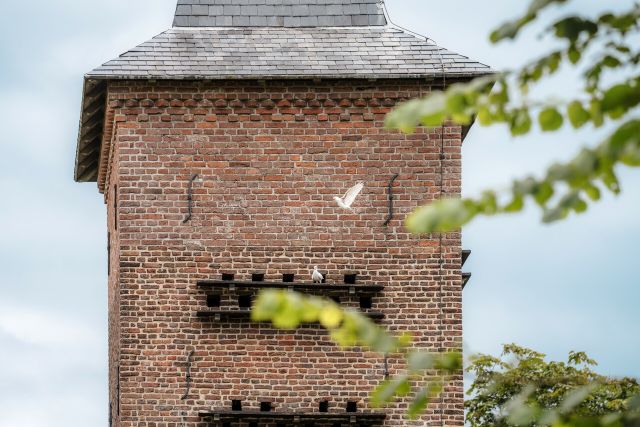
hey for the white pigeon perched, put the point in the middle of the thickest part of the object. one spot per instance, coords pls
(349, 197)
(316, 275)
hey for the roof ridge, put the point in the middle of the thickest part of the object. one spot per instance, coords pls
(279, 13)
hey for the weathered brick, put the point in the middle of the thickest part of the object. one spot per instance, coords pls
(263, 203)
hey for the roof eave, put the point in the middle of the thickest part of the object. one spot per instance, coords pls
(90, 129)
(340, 76)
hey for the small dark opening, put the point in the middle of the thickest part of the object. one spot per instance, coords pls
(118, 390)
(288, 278)
(244, 301)
(108, 253)
(335, 298)
(280, 425)
(228, 276)
(352, 406)
(115, 207)
(213, 300)
(265, 406)
(324, 406)
(366, 302)
(236, 405)
(226, 424)
(336, 425)
(257, 277)
(350, 279)
(253, 424)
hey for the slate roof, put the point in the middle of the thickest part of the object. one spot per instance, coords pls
(267, 39)
(223, 53)
(283, 13)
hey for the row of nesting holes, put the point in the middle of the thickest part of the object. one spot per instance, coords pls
(236, 405)
(246, 300)
(349, 279)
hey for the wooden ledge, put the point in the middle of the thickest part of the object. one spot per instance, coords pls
(246, 314)
(232, 284)
(350, 417)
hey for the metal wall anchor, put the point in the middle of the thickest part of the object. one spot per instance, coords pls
(190, 198)
(188, 378)
(390, 195)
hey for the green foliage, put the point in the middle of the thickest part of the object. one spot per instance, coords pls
(566, 187)
(522, 389)
(289, 310)
(580, 179)
(510, 30)
(350, 328)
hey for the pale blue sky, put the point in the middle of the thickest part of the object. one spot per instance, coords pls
(554, 288)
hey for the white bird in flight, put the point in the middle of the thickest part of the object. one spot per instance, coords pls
(349, 197)
(316, 275)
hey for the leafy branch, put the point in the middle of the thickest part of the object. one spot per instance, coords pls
(350, 328)
(522, 389)
(565, 187)
(578, 178)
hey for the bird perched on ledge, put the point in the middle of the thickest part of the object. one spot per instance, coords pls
(316, 276)
(349, 197)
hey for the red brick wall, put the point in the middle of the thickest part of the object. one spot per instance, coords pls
(113, 204)
(270, 157)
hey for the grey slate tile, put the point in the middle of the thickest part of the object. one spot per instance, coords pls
(372, 52)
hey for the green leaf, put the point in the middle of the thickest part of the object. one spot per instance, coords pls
(621, 96)
(484, 116)
(625, 135)
(429, 111)
(574, 55)
(450, 362)
(553, 62)
(595, 111)
(573, 27)
(550, 119)
(577, 114)
(422, 398)
(516, 204)
(543, 193)
(610, 179)
(456, 102)
(521, 122)
(508, 30)
(419, 361)
(386, 391)
(418, 404)
(592, 191)
(511, 29)
(610, 61)
(447, 214)
(331, 317)
(580, 206)
(266, 305)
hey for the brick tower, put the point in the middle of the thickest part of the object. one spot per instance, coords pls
(219, 145)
